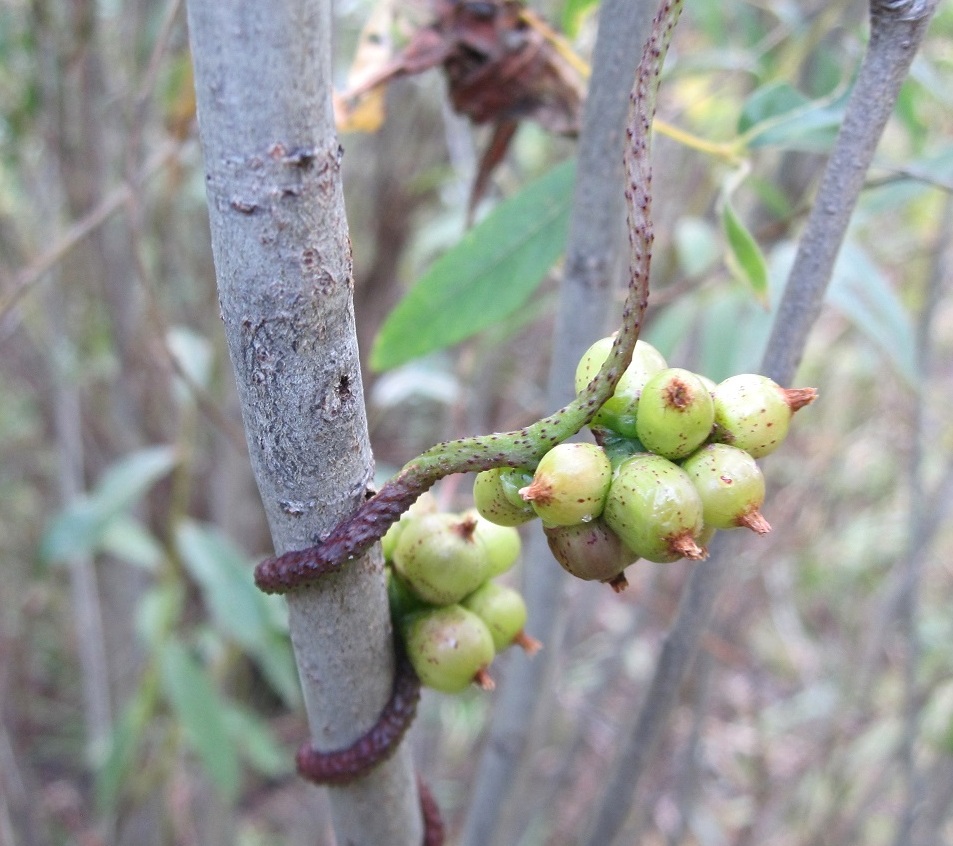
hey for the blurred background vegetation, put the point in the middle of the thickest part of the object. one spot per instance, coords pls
(147, 690)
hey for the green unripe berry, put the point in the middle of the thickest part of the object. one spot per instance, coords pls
(590, 551)
(502, 543)
(449, 648)
(504, 612)
(753, 412)
(619, 411)
(654, 507)
(676, 413)
(440, 559)
(730, 485)
(425, 504)
(570, 484)
(496, 496)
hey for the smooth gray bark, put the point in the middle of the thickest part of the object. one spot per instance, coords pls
(283, 263)
(593, 261)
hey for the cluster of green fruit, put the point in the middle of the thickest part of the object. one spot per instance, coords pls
(453, 617)
(674, 460)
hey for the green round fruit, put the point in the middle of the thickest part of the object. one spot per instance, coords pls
(654, 508)
(425, 504)
(676, 413)
(504, 612)
(440, 558)
(753, 412)
(619, 411)
(449, 648)
(570, 484)
(730, 485)
(493, 493)
(590, 551)
(502, 543)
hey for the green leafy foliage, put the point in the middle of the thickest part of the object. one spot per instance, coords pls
(486, 277)
(81, 527)
(778, 115)
(744, 257)
(238, 609)
(200, 711)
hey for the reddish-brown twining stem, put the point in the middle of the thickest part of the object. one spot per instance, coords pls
(523, 447)
(379, 743)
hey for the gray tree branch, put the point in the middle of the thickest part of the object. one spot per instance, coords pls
(593, 261)
(282, 258)
(897, 29)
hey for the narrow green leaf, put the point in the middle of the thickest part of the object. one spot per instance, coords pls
(125, 538)
(780, 116)
(201, 712)
(114, 772)
(745, 258)
(79, 529)
(485, 277)
(256, 742)
(238, 609)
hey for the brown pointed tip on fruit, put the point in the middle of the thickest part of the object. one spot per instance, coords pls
(619, 583)
(755, 521)
(484, 680)
(797, 398)
(529, 645)
(686, 546)
(465, 527)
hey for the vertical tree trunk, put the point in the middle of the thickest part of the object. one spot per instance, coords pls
(282, 258)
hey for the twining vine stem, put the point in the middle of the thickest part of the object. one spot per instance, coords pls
(523, 447)
(520, 448)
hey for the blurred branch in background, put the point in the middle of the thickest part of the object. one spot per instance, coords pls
(896, 33)
(590, 274)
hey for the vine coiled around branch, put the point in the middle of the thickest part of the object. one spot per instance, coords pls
(521, 448)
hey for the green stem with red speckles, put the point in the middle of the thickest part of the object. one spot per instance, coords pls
(524, 447)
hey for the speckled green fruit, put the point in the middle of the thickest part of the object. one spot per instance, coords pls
(730, 485)
(440, 559)
(425, 504)
(494, 492)
(570, 484)
(504, 612)
(449, 648)
(676, 413)
(502, 543)
(654, 507)
(619, 411)
(753, 412)
(590, 551)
